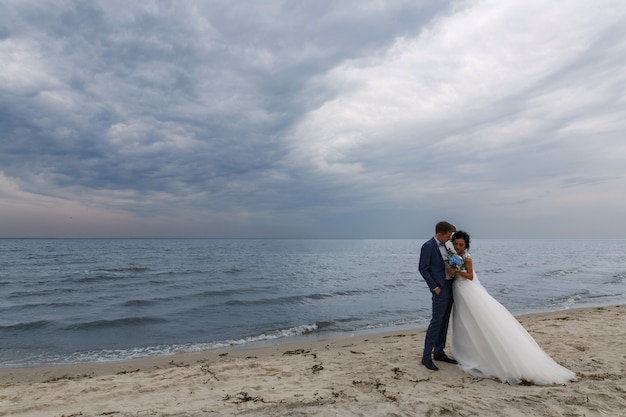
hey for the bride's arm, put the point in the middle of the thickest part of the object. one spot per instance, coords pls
(469, 274)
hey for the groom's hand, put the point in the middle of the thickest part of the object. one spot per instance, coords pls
(437, 291)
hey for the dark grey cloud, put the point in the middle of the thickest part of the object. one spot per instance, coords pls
(120, 84)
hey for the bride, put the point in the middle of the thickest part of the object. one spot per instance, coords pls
(487, 340)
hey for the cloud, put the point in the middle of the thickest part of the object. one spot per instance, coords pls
(311, 120)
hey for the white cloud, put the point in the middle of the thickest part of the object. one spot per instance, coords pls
(472, 84)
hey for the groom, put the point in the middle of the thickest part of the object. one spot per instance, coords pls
(438, 275)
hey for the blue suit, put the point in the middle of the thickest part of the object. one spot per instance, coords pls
(432, 267)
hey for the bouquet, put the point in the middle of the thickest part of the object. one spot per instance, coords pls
(455, 260)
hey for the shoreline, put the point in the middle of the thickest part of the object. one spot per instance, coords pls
(256, 350)
(369, 374)
(251, 347)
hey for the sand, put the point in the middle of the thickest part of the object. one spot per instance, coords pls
(366, 375)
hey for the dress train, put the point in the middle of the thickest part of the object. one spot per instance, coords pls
(488, 341)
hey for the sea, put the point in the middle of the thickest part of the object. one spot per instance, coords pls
(70, 301)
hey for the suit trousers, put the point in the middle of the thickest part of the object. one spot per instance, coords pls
(437, 331)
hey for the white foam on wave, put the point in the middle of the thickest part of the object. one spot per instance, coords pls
(120, 355)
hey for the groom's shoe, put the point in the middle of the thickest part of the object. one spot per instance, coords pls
(444, 358)
(429, 364)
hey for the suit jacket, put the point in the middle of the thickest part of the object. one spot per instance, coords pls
(432, 266)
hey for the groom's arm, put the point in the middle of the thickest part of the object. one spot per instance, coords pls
(426, 254)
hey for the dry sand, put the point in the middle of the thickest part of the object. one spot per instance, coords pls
(372, 375)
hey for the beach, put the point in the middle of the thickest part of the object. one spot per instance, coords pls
(363, 375)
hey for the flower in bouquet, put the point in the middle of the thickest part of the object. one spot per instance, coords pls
(456, 262)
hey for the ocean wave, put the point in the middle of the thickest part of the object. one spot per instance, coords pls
(321, 325)
(38, 324)
(279, 300)
(139, 303)
(124, 270)
(118, 355)
(617, 278)
(98, 278)
(110, 274)
(123, 322)
(570, 299)
(228, 292)
(561, 272)
(41, 293)
(177, 273)
(276, 334)
(187, 296)
(233, 270)
(31, 306)
(295, 299)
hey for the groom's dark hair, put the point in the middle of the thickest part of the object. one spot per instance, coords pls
(444, 227)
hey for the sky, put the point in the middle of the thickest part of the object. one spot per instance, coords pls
(312, 119)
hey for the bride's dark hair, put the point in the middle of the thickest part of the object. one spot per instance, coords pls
(460, 234)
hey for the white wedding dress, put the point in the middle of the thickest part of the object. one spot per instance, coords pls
(489, 342)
